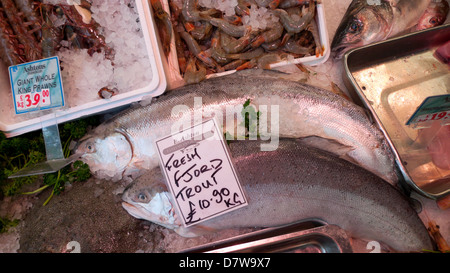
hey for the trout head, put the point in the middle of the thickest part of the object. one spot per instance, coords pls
(365, 22)
(147, 198)
(108, 153)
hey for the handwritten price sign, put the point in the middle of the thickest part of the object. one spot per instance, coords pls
(199, 173)
(33, 100)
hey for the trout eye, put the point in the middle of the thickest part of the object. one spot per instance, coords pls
(90, 148)
(142, 197)
(433, 21)
(355, 26)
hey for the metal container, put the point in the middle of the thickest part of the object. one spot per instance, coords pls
(303, 237)
(391, 79)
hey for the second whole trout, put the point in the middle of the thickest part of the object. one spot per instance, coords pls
(124, 146)
(293, 183)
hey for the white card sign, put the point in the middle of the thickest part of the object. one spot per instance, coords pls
(200, 173)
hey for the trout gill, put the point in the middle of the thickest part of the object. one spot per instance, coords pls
(124, 146)
(293, 183)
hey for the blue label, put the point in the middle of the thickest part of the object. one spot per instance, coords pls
(36, 85)
(432, 108)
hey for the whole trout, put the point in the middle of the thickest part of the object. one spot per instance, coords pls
(293, 183)
(124, 145)
(369, 21)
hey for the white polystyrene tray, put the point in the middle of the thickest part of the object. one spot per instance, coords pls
(309, 60)
(156, 87)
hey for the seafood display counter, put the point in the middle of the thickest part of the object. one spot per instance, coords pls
(329, 186)
(135, 72)
(392, 79)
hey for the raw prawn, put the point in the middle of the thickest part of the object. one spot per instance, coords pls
(293, 47)
(179, 46)
(272, 45)
(195, 49)
(228, 28)
(247, 55)
(295, 26)
(217, 52)
(201, 30)
(232, 45)
(292, 3)
(234, 65)
(268, 3)
(233, 19)
(242, 8)
(166, 29)
(192, 74)
(192, 14)
(262, 62)
(269, 36)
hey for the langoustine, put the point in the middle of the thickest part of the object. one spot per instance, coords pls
(18, 44)
(88, 29)
(10, 49)
(31, 30)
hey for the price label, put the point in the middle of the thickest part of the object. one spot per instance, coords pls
(432, 108)
(40, 98)
(36, 85)
(200, 173)
(431, 117)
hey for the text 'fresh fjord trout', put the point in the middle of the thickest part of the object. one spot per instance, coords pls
(124, 145)
(293, 183)
(369, 21)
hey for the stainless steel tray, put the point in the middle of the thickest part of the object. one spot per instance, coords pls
(391, 79)
(304, 237)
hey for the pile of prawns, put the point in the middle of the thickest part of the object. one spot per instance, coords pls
(208, 42)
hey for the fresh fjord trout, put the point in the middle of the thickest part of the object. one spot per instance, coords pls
(124, 145)
(293, 183)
